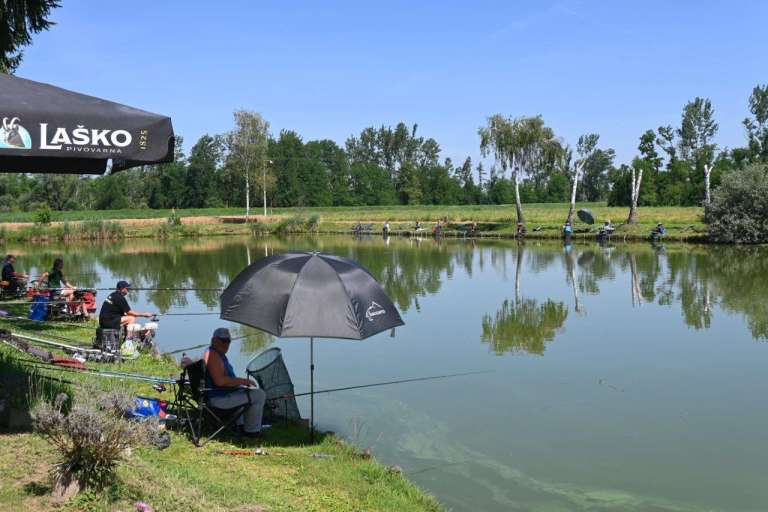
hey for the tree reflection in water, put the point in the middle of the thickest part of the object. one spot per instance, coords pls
(523, 325)
(702, 280)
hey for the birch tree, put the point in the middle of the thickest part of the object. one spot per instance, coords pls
(518, 145)
(636, 180)
(585, 150)
(707, 173)
(248, 147)
(650, 162)
(697, 129)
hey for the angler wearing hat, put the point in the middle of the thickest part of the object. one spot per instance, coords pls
(116, 312)
(225, 390)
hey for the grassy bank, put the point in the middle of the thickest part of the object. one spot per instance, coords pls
(543, 220)
(547, 213)
(294, 475)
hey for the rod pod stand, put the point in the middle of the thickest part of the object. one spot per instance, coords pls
(311, 390)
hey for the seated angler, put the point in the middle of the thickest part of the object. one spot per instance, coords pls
(224, 387)
(658, 231)
(15, 280)
(606, 230)
(116, 312)
(58, 284)
(567, 230)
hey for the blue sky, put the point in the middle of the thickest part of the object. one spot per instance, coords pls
(329, 69)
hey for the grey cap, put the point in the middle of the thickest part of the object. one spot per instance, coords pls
(222, 333)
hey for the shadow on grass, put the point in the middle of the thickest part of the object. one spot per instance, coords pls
(73, 331)
(37, 489)
(279, 434)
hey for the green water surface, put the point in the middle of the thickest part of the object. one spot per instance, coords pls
(620, 377)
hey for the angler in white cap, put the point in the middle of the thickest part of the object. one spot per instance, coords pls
(226, 390)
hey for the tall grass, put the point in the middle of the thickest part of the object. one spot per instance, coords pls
(290, 225)
(88, 230)
(170, 230)
(20, 385)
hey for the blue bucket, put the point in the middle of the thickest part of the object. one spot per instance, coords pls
(39, 309)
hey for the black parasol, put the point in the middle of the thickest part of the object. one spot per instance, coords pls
(586, 216)
(49, 129)
(309, 295)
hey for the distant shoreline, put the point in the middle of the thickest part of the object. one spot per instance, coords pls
(544, 221)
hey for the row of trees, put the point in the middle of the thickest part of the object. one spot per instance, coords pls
(675, 165)
(396, 165)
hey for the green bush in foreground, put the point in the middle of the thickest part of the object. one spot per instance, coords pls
(91, 436)
(738, 212)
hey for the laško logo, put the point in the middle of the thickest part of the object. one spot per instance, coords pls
(13, 135)
(80, 140)
(85, 140)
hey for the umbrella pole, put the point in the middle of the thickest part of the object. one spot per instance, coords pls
(311, 390)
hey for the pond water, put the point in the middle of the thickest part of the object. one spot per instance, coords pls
(626, 377)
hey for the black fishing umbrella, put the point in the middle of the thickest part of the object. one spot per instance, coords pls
(49, 129)
(309, 295)
(586, 216)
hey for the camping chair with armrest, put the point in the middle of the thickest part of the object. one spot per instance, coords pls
(195, 411)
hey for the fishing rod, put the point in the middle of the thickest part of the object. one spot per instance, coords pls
(50, 378)
(400, 381)
(99, 373)
(96, 373)
(181, 350)
(163, 289)
(190, 314)
(74, 348)
(79, 349)
(22, 302)
(151, 289)
(85, 325)
(36, 278)
(81, 325)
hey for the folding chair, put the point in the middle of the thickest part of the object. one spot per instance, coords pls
(194, 410)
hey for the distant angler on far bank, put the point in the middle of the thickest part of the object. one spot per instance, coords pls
(47, 129)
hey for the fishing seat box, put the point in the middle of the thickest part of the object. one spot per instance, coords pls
(107, 340)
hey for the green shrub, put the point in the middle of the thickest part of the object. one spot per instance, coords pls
(43, 215)
(64, 231)
(313, 223)
(261, 228)
(738, 212)
(163, 231)
(294, 224)
(90, 434)
(192, 230)
(174, 219)
(97, 229)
